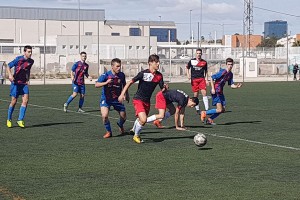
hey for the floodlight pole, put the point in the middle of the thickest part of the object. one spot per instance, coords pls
(79, 25)
(45, 51)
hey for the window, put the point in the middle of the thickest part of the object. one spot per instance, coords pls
(115, 34)
(88, 33)
(71, 46)
(49, 50)
(163, 34)
(64, 46)
(130, 47)
(137, 47)
(6, 49)
(134, 32)
(77, 47)
(84, 46)
(143, 47)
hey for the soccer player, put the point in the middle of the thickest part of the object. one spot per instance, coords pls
(148, 80)
(112, 83)
(197, 72)
(19, 84)
(79, 70)
(218, 81)
(165, 100)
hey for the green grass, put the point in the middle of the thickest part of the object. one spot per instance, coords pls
(63, 155)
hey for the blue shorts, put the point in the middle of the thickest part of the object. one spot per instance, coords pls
(18, 89)
(218, 98)
(78, 88)
(116, 104)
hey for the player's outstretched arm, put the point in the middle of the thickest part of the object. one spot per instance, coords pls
(238, 85)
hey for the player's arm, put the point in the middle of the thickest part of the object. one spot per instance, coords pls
(178, 116)
(212, 85)
(102, 81)
(235, 86)
(182, 111)
(87, 74)
(188, 71)
(122, 97)
(8, 69)
(73, 71)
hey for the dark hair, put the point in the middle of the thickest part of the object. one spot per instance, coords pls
(27, 47)
(229, 60)
(115, 60)
(195, 100)
(83, 52)
(199, 50)
(153, 58)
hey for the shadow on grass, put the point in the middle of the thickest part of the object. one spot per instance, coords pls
(52, 124)
(205, 148)
(90, 111)
(149, 140)
(245, 122)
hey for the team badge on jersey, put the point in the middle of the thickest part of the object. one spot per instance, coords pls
(148, 77)
(194, 62)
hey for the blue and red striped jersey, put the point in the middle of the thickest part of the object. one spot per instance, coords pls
(22, 69)
(221, 78)
(112, 90)
(80, 70)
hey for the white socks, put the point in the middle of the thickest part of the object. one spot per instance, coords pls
(205, 101)
(151, 118)
(137, 129)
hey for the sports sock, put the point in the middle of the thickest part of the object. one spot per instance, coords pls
(81, 101)
(107, 126)
(167, 115)
(22, 113)
(138, 128)
(214, 116)
(10, 112)
(197, 107)
(134, 124)
(205, 101)
(211, 111)
(151, 118)
(121, 122)
(70, 99)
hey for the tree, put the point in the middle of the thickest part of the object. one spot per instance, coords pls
(296, 44)
(268, 42)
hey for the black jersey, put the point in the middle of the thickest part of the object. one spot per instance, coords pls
(147, 83)
(198, 68)
(176, 96)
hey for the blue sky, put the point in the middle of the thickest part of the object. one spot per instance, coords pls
(217, 16)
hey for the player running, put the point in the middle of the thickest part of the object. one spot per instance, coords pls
(79, 70)
(197, 72)
(165, 99)
(148, 80)
(112, 83)
(19, 84)
(218, 81)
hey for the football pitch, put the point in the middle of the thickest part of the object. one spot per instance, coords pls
(252, 153)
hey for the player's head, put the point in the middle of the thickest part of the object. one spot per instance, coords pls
(83, 56)
(153, 62)
(28, 51)
(198, 53)
(194, 101)
(116, 65)
(229, 64)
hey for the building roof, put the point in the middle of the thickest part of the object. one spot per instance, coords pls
(61, 14)
(139, 23)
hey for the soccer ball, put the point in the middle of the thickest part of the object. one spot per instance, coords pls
(200, 140)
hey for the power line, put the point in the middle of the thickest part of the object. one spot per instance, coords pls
(276, 11)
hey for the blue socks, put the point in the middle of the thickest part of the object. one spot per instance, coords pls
(107, 126)
(81, 101)
(211, 111)
(22, 113)
(215, 115)
(121, 122)
(70, 99)
(10, 112)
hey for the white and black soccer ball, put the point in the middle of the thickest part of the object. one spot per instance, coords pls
(200, 140)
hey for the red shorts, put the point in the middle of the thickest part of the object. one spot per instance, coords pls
(141, 106)
(198, 84)
(161, 102)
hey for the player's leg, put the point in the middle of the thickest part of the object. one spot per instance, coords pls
(104, 113)
(81, 99)
(23, 109)
(195, 89)
(205, 99)
(71, 97)
(14, 98)
(122, 113)
(142, 119)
